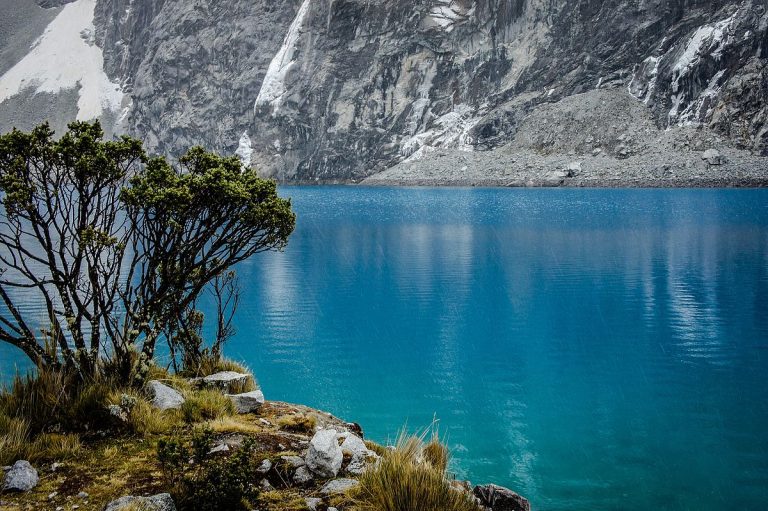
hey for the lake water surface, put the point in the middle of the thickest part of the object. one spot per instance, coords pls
(591, 349)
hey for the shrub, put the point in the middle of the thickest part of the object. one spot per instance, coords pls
(411, 476)
(210, 483)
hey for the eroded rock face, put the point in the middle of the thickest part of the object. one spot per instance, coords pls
(312, 90)
(498, 498)
(20, 477)
(324, 456)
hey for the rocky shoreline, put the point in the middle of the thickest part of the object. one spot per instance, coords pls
(306, 459)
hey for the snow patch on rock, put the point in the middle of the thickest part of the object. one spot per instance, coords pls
(273, 88)
(709, 41)
(447, 14)
(245, 150)
(450, 131)
(66, 57)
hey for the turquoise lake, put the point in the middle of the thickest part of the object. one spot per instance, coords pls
(591, 349)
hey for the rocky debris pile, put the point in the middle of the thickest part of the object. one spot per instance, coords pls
(20, 477)
(161, 502)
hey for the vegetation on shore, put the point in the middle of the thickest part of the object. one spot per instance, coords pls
(119, 248)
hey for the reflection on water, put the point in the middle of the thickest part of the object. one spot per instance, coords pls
(594, 349)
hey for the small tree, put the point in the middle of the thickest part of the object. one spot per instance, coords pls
(118, 247)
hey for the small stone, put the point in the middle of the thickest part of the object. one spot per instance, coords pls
(265, 485)
(338, 486)
(21, 477)
(82, 495)
(56, 466)
(163, 396)
(312, 503)
(248, 402)
(302, 476)
(265, 422)
(52, 495)
(219, 449)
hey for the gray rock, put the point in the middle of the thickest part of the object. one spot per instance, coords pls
(164, 397)
(360, 453)
(312, 503)
(225, 381)
(160, 502)
(324, 456)
(293, 461)
(264, 467)
(498, 498)
(21, 477)
(712, 156)
(265, 485)
(249, 402)
(338, 486)
(302, 476)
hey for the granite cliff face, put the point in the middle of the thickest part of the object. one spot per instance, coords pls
(319, 90)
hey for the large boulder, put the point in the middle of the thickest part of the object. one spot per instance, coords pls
(225, 381)
(498, 498)
(324, 456)
(161, 502)
(163, 396)
(249, 402)
(21, 477)
(712, 156)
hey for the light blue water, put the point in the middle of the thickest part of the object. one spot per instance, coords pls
(592, 349)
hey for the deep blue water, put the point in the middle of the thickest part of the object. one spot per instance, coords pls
(592, 349)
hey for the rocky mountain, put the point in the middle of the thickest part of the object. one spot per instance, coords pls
(323, 90)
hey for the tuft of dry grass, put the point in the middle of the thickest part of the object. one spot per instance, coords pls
(411, 476)
(298, 423)
(206, 405)
(17, 442)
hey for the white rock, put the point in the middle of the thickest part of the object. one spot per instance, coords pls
(21, 477)
(161, 502)
(324, 456)
(163, 396)
(219, 449)
(312, 503)
(249, 402)
(338, 486)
